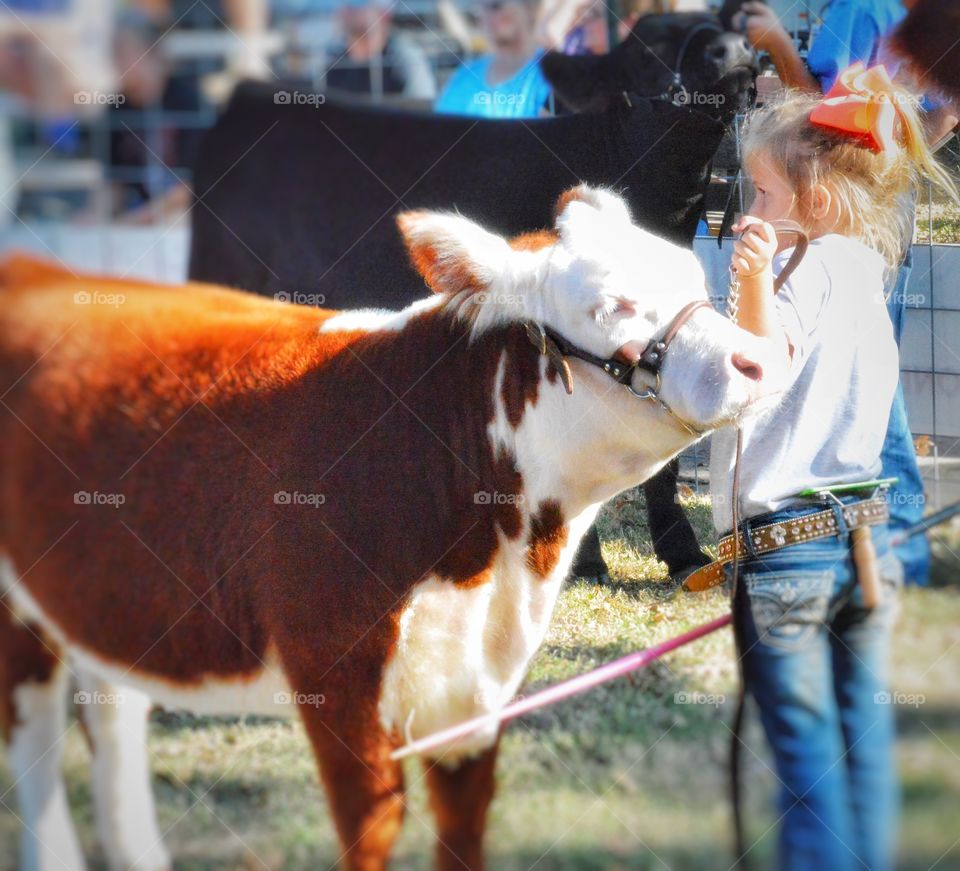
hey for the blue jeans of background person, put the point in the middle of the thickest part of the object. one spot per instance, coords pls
(816, 662)
(899, 457)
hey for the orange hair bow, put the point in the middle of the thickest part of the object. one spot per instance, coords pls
(863, 103)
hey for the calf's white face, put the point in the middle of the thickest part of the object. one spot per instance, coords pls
(615, 285)
(605, 285)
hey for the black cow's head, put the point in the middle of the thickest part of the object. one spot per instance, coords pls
(685, 57)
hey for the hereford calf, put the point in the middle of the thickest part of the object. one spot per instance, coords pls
(213, 501)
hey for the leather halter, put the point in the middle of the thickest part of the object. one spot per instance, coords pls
(676, 87)
(551, 344)
(786, 227)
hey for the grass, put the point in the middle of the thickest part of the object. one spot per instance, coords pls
(939, 210)
(621, 778)
(946, 222)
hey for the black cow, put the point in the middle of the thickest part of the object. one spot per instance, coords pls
(298, 198)
(688, 58)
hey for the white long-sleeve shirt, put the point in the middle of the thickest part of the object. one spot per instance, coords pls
(830, 426)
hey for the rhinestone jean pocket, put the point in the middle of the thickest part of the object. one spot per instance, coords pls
(787, 606)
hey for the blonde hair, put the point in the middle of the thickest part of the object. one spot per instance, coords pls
(875, 190)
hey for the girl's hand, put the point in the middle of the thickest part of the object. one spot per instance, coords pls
(763, 30)
(753, 251)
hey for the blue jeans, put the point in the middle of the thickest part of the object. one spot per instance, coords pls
(899, 457)
(816, 661)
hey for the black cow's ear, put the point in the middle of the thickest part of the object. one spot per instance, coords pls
(582, 82)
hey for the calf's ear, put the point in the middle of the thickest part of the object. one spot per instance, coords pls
(452, 253)
(594, 205)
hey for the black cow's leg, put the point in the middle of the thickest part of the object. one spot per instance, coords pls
(588, 561)
(674, 541)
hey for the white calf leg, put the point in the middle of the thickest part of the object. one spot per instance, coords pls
(116, 718)
(48, 840)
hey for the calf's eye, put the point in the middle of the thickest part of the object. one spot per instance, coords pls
(622, 308)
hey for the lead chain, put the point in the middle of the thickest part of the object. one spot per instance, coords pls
(733, 296)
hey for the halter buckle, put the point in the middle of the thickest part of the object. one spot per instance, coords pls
(537, 336)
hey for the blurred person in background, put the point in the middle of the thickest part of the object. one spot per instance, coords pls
(506, 82)
(53, 53)
(575, 27)
(579, 27)
(147, 148)
(53, 50)
(927, 39)
(851, 32)
(246, 19)
(375, 58)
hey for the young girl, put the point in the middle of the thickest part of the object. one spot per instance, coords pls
(814, 648)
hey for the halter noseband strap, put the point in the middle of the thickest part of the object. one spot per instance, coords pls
(553, 345)
(550, 343)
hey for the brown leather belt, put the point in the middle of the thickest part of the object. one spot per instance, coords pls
(776, 536)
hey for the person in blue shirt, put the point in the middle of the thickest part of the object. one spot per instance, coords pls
(851, 32)
(507, 83)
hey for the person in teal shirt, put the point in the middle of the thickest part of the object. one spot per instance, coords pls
(508, 82)
(851, 32)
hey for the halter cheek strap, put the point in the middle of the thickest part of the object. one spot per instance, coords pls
(675, 87)
(625, 360)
